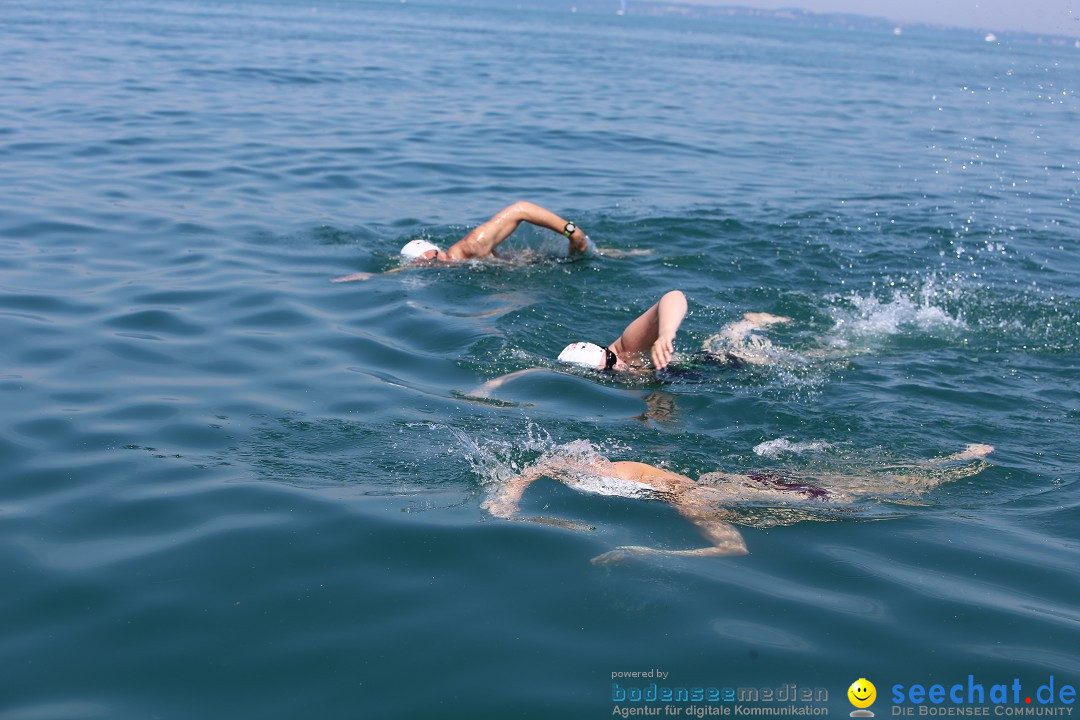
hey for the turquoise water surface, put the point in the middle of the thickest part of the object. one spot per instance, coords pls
(233, 489)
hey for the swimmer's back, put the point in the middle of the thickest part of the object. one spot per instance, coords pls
(628, 480)
(649, 474)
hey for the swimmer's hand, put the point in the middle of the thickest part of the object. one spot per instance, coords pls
(354, 276)
(661, 351)
(622, 554)
(557, 522)
(580, 245)
(500, 507)
(504, 508)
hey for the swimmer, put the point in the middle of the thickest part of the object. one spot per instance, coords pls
(483, 240)
(703, 502)
(648, 343)
(651, 337)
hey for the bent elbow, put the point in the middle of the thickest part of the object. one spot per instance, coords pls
(674, 295)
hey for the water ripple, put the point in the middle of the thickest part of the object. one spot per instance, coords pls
(85, 555)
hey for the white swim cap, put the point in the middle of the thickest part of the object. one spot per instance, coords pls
(415, 248)
(584, 353)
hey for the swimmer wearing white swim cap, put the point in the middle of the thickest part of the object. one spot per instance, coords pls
(648, 341)
(483, 240)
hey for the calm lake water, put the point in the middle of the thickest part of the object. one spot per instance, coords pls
(233, 489)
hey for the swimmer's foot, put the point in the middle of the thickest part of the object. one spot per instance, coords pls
(765, 319)
(973, 451)
(500, 507)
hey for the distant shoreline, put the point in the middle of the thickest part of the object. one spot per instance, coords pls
(793, 16)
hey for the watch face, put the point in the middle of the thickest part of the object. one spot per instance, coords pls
(570, 228)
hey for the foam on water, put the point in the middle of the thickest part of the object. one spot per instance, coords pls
(496, 460)
(772, 448)
(863, 320)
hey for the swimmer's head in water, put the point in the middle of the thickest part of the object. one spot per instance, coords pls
(420, 250)
(588, 355)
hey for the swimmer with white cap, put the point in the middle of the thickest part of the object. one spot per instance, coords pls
(649, 341)
(648, 344)
(483, 240)
(417, 249)
(651, 337)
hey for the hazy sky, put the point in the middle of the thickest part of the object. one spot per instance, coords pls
(1059, 17)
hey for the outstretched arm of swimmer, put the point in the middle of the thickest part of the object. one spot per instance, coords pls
(483, 240)
(485, 390)
(681, 492)
(505, 502)
(653, 331)
(725, 538)
(354, 276)
(368, 276)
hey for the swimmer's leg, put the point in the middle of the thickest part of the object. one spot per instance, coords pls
(941, 470)
(974, 451)
(735, 339)
(725, 539)
(922, 476)
(737, 332)
(763, 320)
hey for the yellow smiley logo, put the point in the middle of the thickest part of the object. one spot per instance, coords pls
(862, 693)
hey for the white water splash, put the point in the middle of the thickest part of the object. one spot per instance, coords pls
(772, 448)
(862, 319)
(495, 461)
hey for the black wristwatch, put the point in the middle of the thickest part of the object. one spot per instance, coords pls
(569, 229)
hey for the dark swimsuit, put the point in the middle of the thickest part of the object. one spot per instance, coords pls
(700, 367)
(779, 482)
